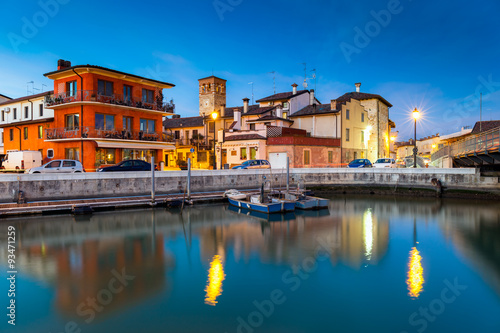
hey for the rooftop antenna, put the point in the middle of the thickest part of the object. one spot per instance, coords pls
(27, 87)
(480, 112)
(305, 75)
(314, 77)
(274, 80)
(43, 86)
(252, 90)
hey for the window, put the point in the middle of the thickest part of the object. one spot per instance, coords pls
(148, 125)
(40, 110)
(330, 156)
(104, 156)
(127, 123)
(26, 112)
(195, 134)
(3, 115)
(25, 130)
(71, 88)
(177, 135)
(362, 136)
(50, 153)
(347, 114)
(69, 164)
(72, 121)
(147, 95)
(307, 157)
(252, 127)
(253, 153)
(362, 154)
(243, 153)
(11, 135)
(285, 105)
(346, 134)
(40, 131)
(53, 164)
(104, 88)
(355, 155)
(2, 137)
(234, 153)
(71, 154)
(14, 113)
(202, 156)
(180, 156)
(104, 122)
(127, 93)
(362, 117)
(285, 115)
(211, 127)
(187, 134)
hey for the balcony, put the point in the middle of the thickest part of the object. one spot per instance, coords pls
(201, 143)
(99, 133)
(93, 96)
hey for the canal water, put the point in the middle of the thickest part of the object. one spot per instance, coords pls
(367, 264)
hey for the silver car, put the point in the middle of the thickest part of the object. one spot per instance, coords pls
(58, 166)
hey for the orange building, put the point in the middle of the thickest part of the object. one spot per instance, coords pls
(101, 116)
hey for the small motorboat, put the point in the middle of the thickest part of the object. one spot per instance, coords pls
(303, 201)
(258, 203)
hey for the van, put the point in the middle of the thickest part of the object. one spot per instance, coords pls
(22, 160)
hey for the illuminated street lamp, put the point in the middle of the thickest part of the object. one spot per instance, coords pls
(416, 115)
(214, 117)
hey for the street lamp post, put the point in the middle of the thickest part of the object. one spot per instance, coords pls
(214, 117)
(416, 115)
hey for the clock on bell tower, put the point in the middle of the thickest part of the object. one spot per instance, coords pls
(212, 94)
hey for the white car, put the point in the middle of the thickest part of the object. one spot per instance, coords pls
(385, 163)
(59, 166)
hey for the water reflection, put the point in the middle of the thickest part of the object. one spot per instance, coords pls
(215, 277)
(368, 238)
(415, 279)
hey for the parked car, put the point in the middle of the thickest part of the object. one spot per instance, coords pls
(58, 166)
(254, 164)
(385, 163)
(360, 163)
(128, 165)
(22, 160)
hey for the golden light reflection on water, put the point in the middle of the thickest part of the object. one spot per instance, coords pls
(415, 279)
(214, 284)
(368, 233)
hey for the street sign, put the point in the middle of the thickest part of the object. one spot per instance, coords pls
(415, 150)
(191, 150)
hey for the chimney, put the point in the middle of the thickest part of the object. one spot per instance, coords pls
(333, 104)
(311, 97)
(357, 86)
(62, 64)
(237, 119)
(295, 85)
(245, 105)
(223, 110)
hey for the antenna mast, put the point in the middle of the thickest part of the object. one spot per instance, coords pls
(274, 81)
(252, 91)
(481, 112)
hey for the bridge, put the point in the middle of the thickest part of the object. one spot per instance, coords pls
(480, 150)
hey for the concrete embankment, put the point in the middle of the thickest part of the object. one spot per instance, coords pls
(37, 187)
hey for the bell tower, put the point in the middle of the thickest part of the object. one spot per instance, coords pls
(212, 94)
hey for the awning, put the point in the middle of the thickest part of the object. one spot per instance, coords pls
(134, 145)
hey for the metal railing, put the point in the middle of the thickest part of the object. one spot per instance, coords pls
(200, 143)
(100, 133)
(480, 143)
(99, 97)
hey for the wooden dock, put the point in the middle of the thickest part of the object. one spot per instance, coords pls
(87, 206)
